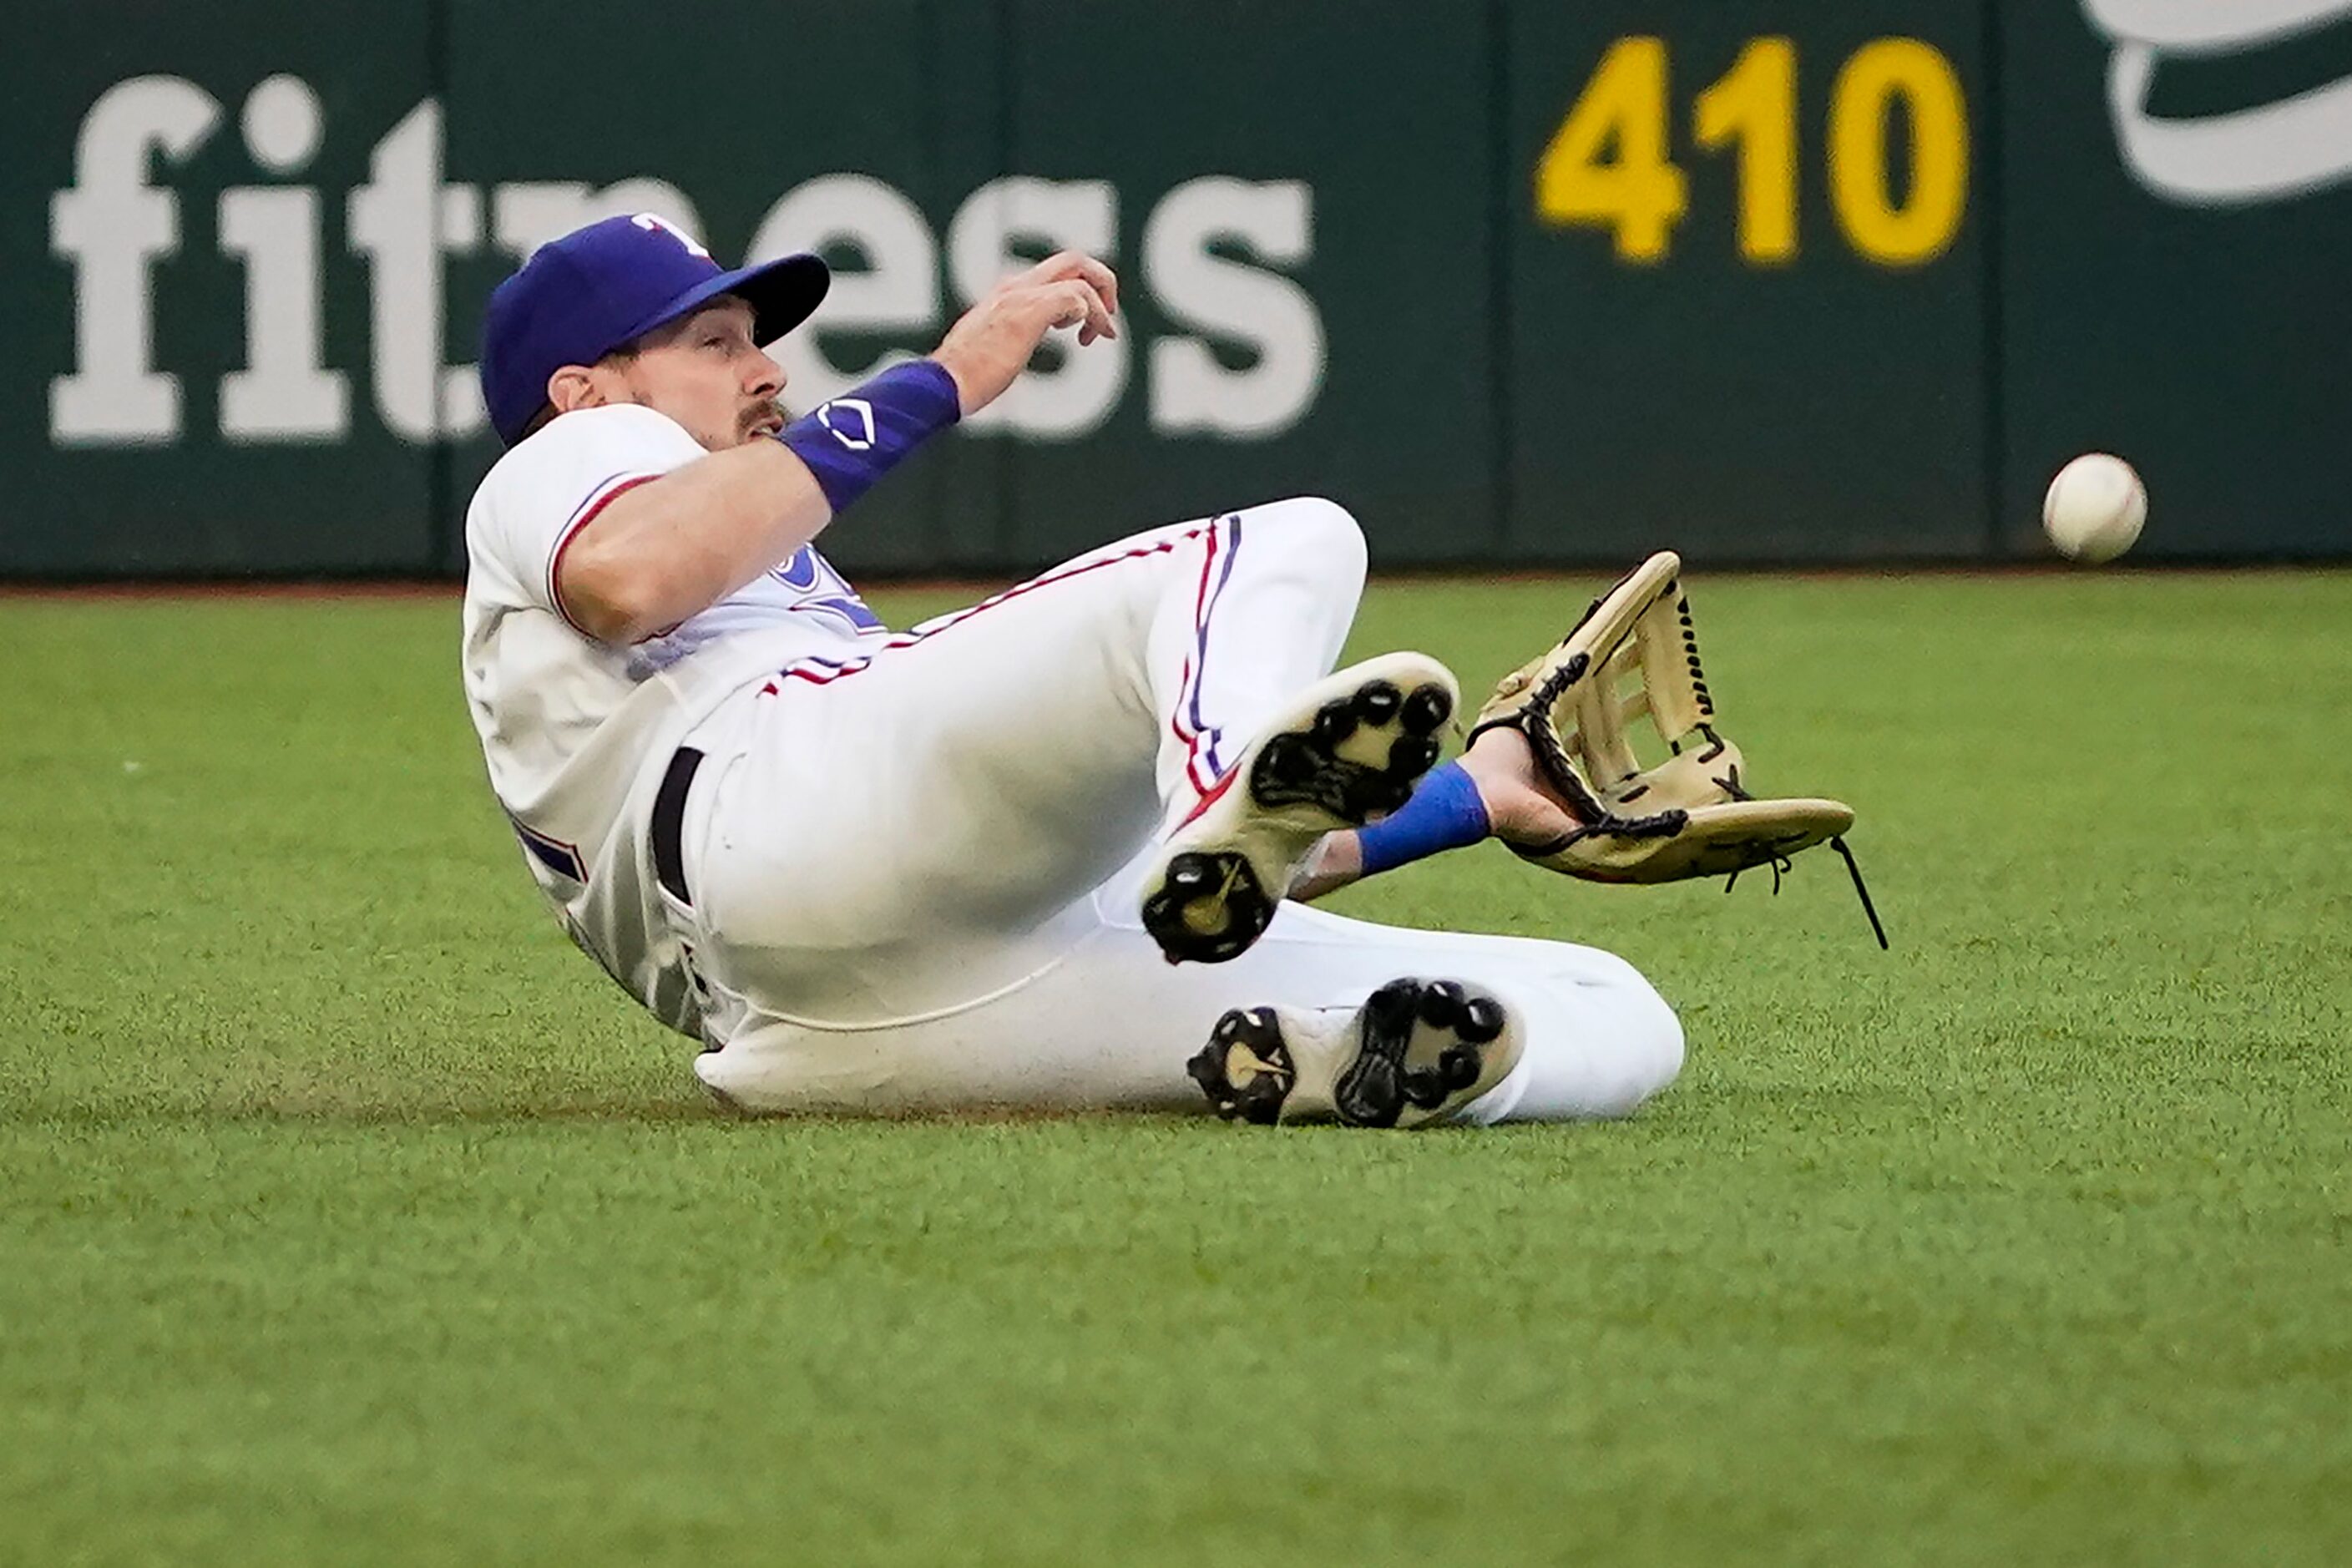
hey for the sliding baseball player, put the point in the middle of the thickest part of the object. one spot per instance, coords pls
(1049, 851)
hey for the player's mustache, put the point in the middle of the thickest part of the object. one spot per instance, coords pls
(770, 408)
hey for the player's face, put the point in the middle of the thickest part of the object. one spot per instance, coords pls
(705, 371)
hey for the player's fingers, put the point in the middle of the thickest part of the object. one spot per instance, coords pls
(1054, 269)
(1058, 304)
(1099, 277)
(1069, 263)
(1094, 316)
(1036, 277)
(1098, 321)
(1073, 303)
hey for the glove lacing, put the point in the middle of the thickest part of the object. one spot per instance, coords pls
(1781, 863)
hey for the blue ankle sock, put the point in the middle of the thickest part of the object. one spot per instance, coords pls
(1445, 813)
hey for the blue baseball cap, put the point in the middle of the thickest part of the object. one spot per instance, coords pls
(602, 287)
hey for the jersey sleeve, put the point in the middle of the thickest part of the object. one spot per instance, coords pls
(543, 494)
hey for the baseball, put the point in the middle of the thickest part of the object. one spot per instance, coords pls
(2095, 507)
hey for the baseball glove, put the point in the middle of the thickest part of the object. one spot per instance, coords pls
(1634, 656)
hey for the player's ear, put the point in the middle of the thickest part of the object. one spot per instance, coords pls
(575, 387)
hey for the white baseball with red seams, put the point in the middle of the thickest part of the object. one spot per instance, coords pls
(913, 856)
(2094, 508)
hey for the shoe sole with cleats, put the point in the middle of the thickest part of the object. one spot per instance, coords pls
(1348, 753)
(1416, 1053)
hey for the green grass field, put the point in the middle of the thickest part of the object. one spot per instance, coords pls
(350, 1216)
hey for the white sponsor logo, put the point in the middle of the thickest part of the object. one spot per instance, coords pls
(855, 429)
(1242, 358)
(2265, 153)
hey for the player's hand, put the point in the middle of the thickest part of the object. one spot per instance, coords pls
(990, 345)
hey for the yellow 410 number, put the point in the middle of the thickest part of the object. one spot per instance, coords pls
(1609, 165)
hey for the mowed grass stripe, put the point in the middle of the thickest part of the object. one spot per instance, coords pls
(350, 1216)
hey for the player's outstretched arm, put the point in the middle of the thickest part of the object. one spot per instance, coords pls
(669, 549)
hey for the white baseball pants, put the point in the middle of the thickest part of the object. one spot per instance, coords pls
(915, 874)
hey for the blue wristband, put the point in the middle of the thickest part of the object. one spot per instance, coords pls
(852, 441)
(1445, 813)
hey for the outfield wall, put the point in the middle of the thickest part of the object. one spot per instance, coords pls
(1520, 281)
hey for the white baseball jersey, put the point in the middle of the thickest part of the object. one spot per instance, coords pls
(576, 732)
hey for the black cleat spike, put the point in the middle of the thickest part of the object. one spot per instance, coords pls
(1426, 710)
(1412, 755)
(1427, 1089)
(1442, 1002)
(1259, 1102)
(1377, 702)
(1335, 722)
(1207, 1069)
(1482, 1021)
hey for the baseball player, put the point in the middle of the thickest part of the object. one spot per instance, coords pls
(1051, 850)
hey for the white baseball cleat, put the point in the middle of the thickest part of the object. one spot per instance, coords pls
(1347, 752)
(1416, 1052)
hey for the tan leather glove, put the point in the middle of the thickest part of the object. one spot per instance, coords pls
(1633, 655)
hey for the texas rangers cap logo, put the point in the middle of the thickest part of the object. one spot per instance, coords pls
(653, 223)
